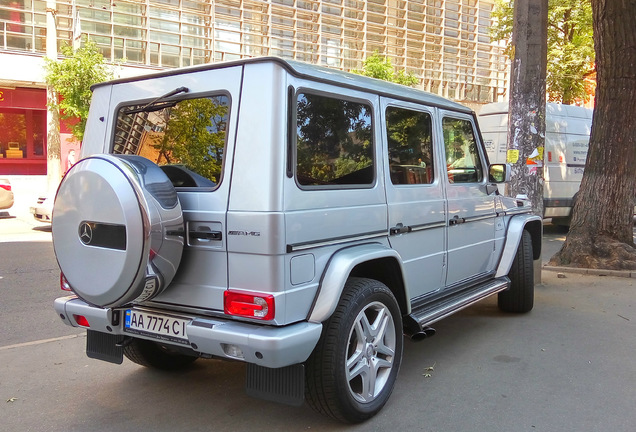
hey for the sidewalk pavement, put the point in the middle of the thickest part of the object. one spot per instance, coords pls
(553, 238)
(591, 272)
(20, 225)
(23, 227)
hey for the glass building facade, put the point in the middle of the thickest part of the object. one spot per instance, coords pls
(445, 43)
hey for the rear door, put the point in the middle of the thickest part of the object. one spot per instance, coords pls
(415, 194)
(190, 135)
(471, 209)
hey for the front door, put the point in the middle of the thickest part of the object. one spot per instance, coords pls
(471, 209)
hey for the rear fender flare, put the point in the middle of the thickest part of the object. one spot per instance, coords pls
(337, 272)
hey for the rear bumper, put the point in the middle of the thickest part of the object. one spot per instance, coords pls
(267, 346)
(557, 207)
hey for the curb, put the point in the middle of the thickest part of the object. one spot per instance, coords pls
(591, 272)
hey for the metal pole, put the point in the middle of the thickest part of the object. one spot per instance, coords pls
(53, 160)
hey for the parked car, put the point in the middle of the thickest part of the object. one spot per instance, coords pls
(43, 208)
(6, 194)
(303, 233)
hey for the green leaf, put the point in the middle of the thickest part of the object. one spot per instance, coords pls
(380, 67)
(72, 78)
(570, 45)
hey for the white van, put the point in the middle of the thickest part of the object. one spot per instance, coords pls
(566, 143)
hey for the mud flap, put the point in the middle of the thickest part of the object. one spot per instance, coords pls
(284, 385)
(103, 346)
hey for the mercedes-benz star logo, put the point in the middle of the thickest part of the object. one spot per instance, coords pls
(85, 233)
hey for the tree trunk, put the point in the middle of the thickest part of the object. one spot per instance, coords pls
(526, 135)
(601, 232)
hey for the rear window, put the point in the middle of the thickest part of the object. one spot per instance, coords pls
(186, 138)
(334, 142)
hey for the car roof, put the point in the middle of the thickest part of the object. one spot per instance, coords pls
(321, 74)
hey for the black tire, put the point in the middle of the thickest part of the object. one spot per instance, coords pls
(152, 355)
(343, 392)
(519, 298)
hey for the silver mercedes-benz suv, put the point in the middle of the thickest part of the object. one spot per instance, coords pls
(296, 218)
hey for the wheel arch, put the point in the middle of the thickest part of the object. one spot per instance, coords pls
(374, 261)
(516, 226)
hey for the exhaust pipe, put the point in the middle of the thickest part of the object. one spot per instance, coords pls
(426, 332)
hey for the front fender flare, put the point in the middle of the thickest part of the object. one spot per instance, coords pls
(513, 236)
(337, 272)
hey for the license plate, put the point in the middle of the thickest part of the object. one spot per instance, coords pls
(162, 327)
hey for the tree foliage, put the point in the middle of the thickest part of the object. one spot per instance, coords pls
(72, 78)
(570, 45)
(380, 67)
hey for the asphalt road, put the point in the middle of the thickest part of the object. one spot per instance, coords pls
(569, 365)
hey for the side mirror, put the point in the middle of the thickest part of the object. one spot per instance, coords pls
(499, 173)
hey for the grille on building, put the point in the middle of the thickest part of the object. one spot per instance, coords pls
(445, 43)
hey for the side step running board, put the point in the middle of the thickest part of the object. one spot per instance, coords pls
(419, 319)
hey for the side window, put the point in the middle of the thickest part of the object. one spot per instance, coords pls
(334, 142)
(410, 146)
(185, 138)
(462, 156)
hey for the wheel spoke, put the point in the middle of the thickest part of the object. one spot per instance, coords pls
(366, 329)
(369, 382)
(355, 364)
(379, 324)
(382, 363)
(380, 341)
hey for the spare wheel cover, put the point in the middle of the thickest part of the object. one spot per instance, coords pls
(112, 214)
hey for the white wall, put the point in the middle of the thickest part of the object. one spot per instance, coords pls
(27, 70)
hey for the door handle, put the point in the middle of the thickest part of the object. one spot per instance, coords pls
(400, 229)
(456, 220)
(205, 235)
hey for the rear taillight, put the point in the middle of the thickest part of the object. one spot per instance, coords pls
(249, 305)
(6, 187)
(64, 285)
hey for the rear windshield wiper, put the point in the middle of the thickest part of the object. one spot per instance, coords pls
(159, 103)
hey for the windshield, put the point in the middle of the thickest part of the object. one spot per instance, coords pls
(187, 138)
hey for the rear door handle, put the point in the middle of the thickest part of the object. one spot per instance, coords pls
(205, 235)
(456, 220)
(400, 229)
